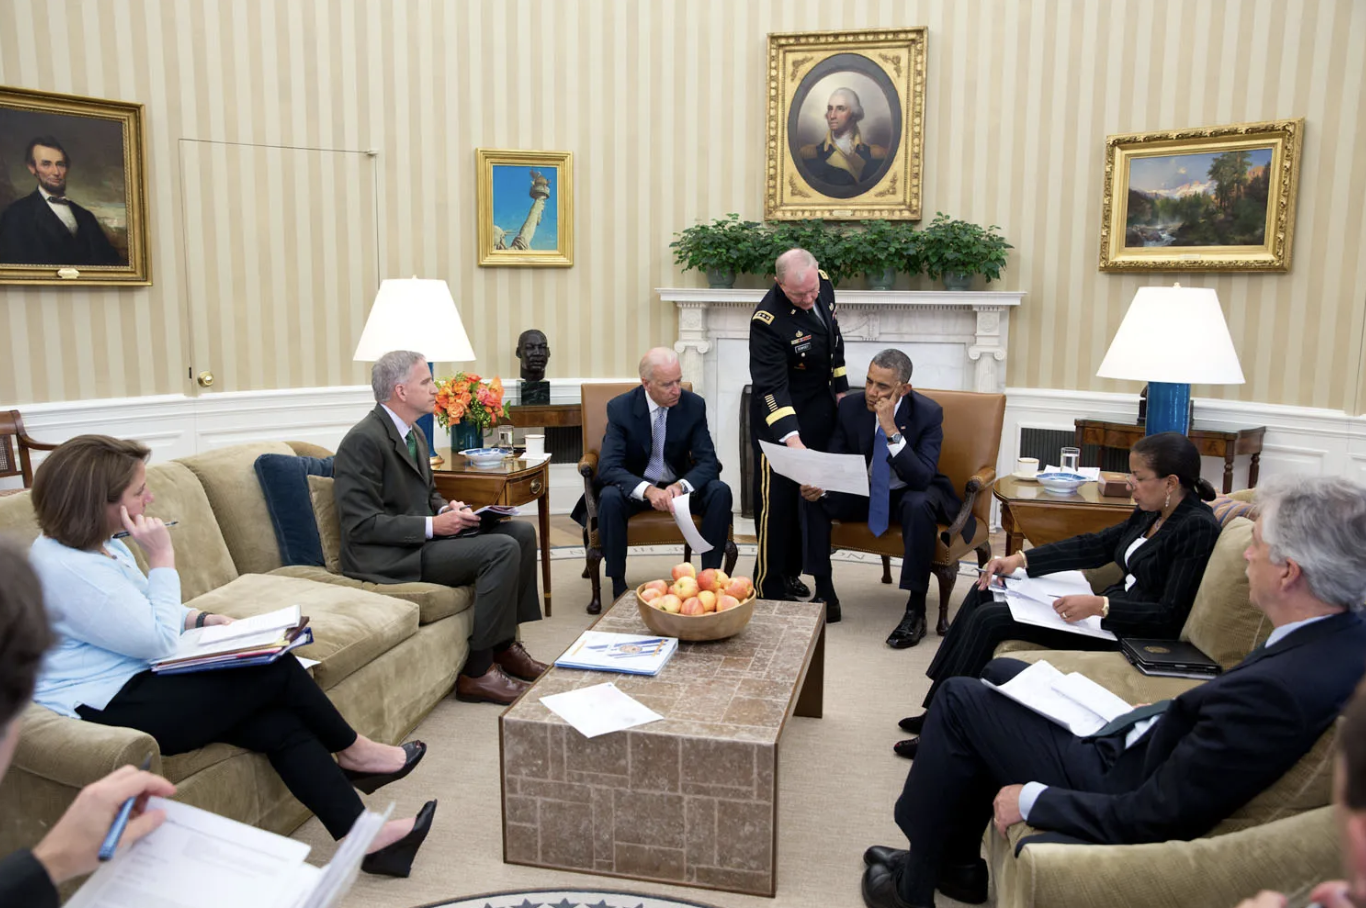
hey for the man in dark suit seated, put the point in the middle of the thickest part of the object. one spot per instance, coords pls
(657, 447)
(1169, 770)
(396, 528)
(905, 430)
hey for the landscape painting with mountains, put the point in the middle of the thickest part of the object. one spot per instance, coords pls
(1212, 199)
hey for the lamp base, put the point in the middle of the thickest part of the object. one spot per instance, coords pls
(1168, 407)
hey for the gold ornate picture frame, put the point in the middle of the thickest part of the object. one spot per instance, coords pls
(526, 208)
(73, 190)
(846, 120)
(1216, 199)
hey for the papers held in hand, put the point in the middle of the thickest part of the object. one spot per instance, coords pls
(1074, 701)
(1031, 601)
(831, 472)
(267, 638)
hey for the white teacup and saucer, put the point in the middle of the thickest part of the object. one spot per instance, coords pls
(1027, 469)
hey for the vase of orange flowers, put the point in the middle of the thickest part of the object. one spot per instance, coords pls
(469, 407)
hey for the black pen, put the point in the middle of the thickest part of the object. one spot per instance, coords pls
(123, 534)
(111, 841)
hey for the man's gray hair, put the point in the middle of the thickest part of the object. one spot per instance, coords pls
(653, 359)
(792, 263)
(855, 106)
(1319, 522)
(898, 362)
(392, 369)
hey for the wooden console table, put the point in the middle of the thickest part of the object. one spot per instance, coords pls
(559, 416)
(1210, 443)
(1029, 511)
(513, 482)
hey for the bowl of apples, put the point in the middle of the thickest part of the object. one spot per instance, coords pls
(693, 606)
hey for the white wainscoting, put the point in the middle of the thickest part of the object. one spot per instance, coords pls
(1298, 440)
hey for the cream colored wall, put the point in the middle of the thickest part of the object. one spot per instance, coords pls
(662, 104)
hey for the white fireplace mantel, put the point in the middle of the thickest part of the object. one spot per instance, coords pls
(956, 341)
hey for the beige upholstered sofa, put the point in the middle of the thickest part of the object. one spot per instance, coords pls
(1283, 839)
(388, 654)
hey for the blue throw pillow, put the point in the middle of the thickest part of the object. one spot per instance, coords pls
(284, 481)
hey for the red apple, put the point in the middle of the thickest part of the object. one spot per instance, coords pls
(708, 600)
(669, 603)
(726, 602)
(661, 585)
(684, 588)
(691, 606)
(707, 579)
(650, 595)
(684, 570)
(738, 587)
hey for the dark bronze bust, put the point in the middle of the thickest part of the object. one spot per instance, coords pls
(534, 351)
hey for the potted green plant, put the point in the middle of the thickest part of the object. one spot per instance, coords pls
(724, 248)
(956, 250)
(882, 249)
(828, 244)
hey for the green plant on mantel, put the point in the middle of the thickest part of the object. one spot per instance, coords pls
(726, 244)
(950, 246)
(883, 245)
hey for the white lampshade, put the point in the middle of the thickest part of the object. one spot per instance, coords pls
(1173, 334)
(418, 315)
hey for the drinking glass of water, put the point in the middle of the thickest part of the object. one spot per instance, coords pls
(1071, 460)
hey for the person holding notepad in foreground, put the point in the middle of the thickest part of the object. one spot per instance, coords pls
(1168, 770)
(1162, 549)
(111, 622)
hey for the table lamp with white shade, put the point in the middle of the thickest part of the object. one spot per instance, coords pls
(417, 315)
(1171, 338)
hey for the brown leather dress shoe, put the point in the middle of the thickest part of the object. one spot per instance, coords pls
(493, 686)
(516, 661)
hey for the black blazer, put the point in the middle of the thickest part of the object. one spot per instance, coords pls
(1220, 744)
(31, 234)
(383, 499)
(921, 423)
(1167, 568)
(24, 881)
(625, 451)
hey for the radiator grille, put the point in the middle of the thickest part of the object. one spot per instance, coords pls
(1046, 445)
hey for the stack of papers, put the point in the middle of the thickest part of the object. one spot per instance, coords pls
(250, 641)
(1074, 701)
(1031, 601)
(633, 654)
(199, 858)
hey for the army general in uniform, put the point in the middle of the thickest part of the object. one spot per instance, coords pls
(796, 367)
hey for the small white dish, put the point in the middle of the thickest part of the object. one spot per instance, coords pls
(1061, 483)
(1026, 477)
(484, 457)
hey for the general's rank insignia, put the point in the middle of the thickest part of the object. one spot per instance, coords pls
(764, 316)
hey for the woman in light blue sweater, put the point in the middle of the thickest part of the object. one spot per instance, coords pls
(111, 622)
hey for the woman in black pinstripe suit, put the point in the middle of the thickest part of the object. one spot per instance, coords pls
(1162, 548)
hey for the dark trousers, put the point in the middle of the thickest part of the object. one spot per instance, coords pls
(274, 709)
(976, 742)
(980, 626)
(712, 503)
(501, 563)
(777, 522)
(917, 515)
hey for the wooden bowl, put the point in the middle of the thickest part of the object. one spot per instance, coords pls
(711, 626)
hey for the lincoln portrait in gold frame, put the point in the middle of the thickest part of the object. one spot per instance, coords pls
(73, 195)
(846, 114)
(1215, 199)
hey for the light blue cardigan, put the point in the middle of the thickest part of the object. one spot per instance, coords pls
(110, 621)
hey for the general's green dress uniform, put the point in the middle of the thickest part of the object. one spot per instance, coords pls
(796, 367)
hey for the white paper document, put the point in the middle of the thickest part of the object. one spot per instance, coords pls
(1031, 602)
(1073, 700)
(197, 859)
(830, 472)
(599, 709)
(278, 620)
(682, 512)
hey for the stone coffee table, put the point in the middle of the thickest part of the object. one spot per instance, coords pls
(691, 799)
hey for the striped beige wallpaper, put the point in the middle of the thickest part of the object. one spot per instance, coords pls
(662, 104)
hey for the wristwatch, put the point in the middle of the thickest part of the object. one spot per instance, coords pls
(895, 439)
(1105, 607)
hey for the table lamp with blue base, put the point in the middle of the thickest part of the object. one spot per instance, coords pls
(1171, 338)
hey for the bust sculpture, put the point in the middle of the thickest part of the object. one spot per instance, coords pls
(534, 351)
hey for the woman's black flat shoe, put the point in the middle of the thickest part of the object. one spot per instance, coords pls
(371, 782)
(907, 748)
(913, 724)
(397, 859)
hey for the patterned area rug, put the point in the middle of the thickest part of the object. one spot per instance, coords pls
(566, 898)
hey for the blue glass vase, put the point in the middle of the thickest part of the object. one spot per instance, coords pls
(465, 435)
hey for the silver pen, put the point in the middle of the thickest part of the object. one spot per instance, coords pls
(123, 534)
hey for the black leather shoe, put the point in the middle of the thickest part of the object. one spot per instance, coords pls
(879, 889)
(832, 609)
(966, 882)
(913, 724)
(885, 855)
(909, 632)
(908, 748)
(371, 782)
(795, 587)
(397, 859)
